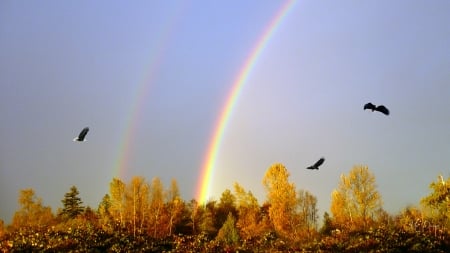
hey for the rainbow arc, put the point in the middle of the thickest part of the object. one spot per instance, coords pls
(206, 174)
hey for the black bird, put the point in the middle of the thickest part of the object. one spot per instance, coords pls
(380, 108)
(317, 164)
(82, 135)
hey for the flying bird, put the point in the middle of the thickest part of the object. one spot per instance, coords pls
(317, 164)
(82, 135)
(380, 108)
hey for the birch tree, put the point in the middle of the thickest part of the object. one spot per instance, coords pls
(174, 206)
(117, 193)
(282, 198)
(356, 202)
(32, 214)
(136, 200)
(156, 205)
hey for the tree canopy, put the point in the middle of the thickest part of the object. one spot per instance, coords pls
(142, 215)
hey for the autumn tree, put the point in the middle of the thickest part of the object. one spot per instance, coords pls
(2, 229)
(356, 202)
(307, 204)
(409, 218)
(105, 218)
(156, 206)
(250, 219)
(136, 204)
(437, 203)
(117, 193)
(282, 198)
(193, 213)
(173, 191)
(32, 215)
(174, 206)
(71, 204)
(88, 220)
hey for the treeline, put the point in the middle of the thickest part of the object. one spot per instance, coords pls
(147, 217)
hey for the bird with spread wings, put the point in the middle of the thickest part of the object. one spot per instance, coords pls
(380, 108)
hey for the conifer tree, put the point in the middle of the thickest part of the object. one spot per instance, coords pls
(72, 204)
(229, 233)
(225, 206)
(327, 225)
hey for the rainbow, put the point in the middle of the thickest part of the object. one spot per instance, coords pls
(132, 122)
(207, 170)
(143, 89)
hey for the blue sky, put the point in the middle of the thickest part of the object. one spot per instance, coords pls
(67, 65)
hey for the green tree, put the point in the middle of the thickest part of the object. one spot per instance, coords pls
(72, 204)
(356, 202)
(206, 222)
(327, 225)
(225, 206)
(229, 233)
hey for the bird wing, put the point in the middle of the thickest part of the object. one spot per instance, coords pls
(383, 109)
(369, 106)
(83, 133)
(320, 162)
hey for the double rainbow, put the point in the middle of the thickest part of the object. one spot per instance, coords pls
(125, 151)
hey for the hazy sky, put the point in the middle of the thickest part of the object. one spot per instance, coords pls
(164, 69)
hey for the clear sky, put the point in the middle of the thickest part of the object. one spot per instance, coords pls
(155, 75)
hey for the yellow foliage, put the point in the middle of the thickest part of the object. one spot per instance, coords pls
(282, 198)
(32, 213)
(250, 222)
(356, 200)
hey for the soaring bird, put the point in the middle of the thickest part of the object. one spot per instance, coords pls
(82, 135)
(380, 108)
(317, 164)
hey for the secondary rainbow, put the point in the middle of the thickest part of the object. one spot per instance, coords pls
(162, 38)
(142, 91)
(204, 186)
